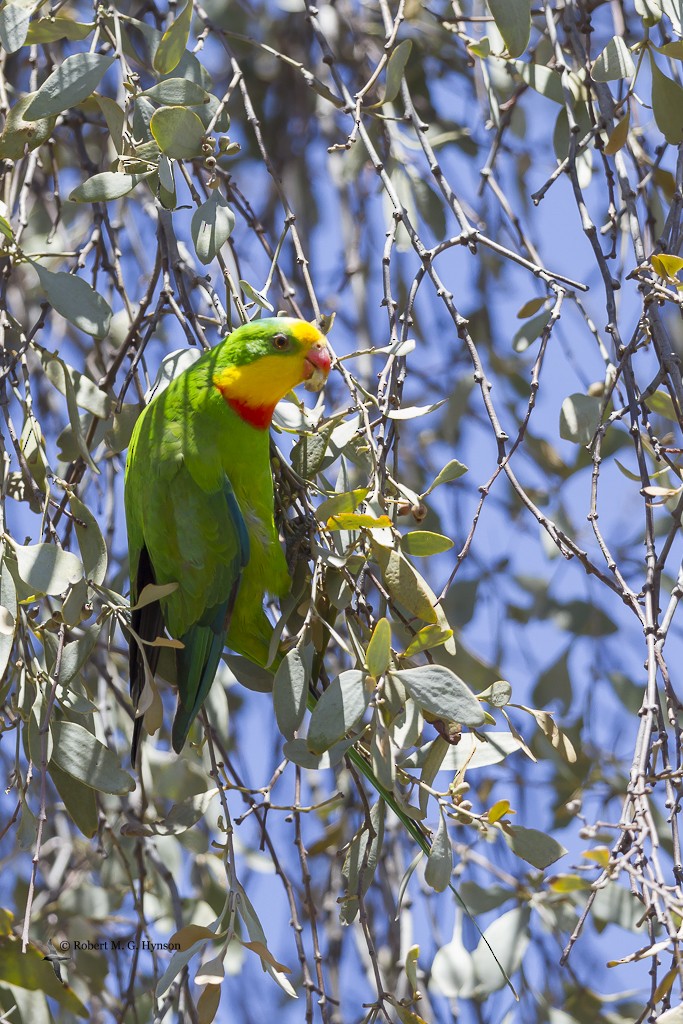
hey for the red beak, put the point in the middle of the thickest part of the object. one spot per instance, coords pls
(317, 365)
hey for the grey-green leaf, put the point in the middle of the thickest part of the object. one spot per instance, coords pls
(178, 132)
(451, 471)
(614, 62)
(440, 860)
(90, 541)
(77, 302)
(173, 42)
(105, 186)
(536, 848)
(290, 692)
(423, 543)
(8, 622)
(70, 83)
(178, 92)
(529, 331)
(438, 690)
(81, 755)
(579, 418)
(86, 393)
(395, 69)
(508, 937)
(339, 709)
(667, 105)
(47, 569)
(513, 21)
(14, 21)
(212, 225)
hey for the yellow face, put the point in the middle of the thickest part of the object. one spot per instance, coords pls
(291, 352)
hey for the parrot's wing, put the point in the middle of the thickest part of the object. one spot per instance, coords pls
(197, 539)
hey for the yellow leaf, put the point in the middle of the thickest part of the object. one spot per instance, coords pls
(207, 1004)
(191, 933)
(265, 954)
(568, 883)
(618, 135)
(600, 854)
(666, 266)
(357, 521)
(499, 810)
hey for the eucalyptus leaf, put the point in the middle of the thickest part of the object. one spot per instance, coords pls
(8, 605)
(667, 104)
(81, 755)
(73, 80)
(173, 42)
(436, 689)
(339, 709)
(46, 568)
(90, 541)
(290, 692)
(178, 132)
(579, 418)
(536, 848)
(76, 300)
(212, 224)
(395, 70)
(513, 21)
(614, 62)
(105, 186)
(177, 92)
(14, 22)
(440, 861)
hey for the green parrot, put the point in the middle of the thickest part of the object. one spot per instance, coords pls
(199, 507)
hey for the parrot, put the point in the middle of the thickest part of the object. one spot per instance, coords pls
(199, 503)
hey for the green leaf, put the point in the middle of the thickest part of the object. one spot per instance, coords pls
(173, 42)
(255, 678)
(579, 418)
(662, 404)
(404, 583)
(361, 862)
(542, 79)
(667, 105)
(47, 569)
(529, 331)
(308, 454)
(424, 543)
(650, 11)
(50, 30)
(436, 689)
(480, 751)
(90, 541)
(427, 638)
(346, 502)
(212, 224)
(614, 62)
(440, 860)
(14, 21)
(177, 92)
(414, 411)
(79, 800)
(395, 69)
(536, 848)
(531, 307)
(70, 83)
(508, 937)
(103, 187)
(87, 394)
(513, 21)
(378, 654)
(178, 132)
(8, 616)
(31, 971)
(18, 132)
(76, 301)
(78, 753)
(290, 692)
(453, 470)
(255, 296)
(339, 709)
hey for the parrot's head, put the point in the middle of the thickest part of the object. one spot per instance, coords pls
(262, 361)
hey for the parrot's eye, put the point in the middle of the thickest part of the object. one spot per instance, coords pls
(280, 342)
